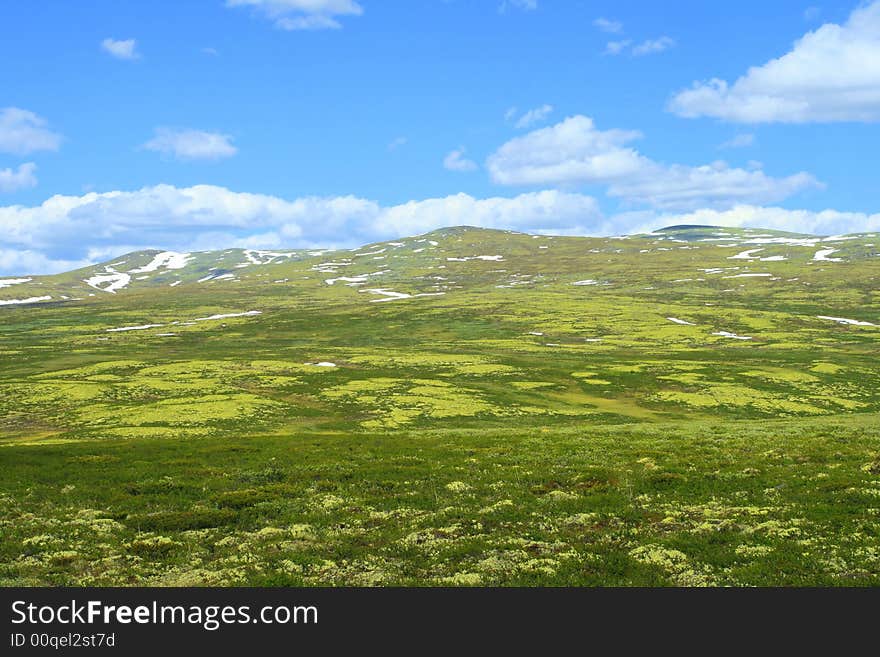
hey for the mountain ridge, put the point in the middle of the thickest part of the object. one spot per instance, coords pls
(156, 268)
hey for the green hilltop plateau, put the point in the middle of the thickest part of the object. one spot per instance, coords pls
(692, 406)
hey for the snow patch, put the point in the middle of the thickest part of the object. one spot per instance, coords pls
(745, 255)
(9, 282)
(250, 313)
(843, 320)
(346, 279)
(728, 334)
(12, 302)
(166, 259)
(492, 258)
(389, 295)
(109, 282)
(822, 256)
(263, 257)
(143, 327)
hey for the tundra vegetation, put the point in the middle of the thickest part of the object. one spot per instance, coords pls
(692, 407)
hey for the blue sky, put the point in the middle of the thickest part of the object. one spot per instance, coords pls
(290, 123)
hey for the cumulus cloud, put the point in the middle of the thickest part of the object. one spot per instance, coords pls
(575, 152)
(456, 161)
(830, 74)
(21, 178)
(187, 144)
(572, 151)
(532, 116)
(653, 46)
(302, 14)
(525, 5)
(121, 49)
(716, 185)
(617, 47)
(23, 132)
(609, 26)
(67, 232)
(647, 47)
(545, 211)
(98, 226)
(33, 262)
(172, 216)
(825, 222)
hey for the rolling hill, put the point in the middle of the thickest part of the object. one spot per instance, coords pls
(698, 405)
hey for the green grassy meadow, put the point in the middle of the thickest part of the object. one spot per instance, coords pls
(692, 407)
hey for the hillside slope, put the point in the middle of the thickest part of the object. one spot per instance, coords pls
(693, 407)
(462, 326)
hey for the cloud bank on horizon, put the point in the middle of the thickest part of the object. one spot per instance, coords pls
(551, 168)
(205, 217)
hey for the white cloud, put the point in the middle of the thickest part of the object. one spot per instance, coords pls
(456, 161)
(830, 74)
(302, 14)
(33, 262)
(825, 222)
(742, 140)
(574, 152)
(213, 52)
(67, 232)
(164, 214)
(681, 187)
(525, 5)
(653, 46)
(648, 47)
(533, 116)
(20, 178)
(186, 144)
(23, 132)
(616, 47)
(80, 229)
(121, 49)
(545, 211)
(608, 25)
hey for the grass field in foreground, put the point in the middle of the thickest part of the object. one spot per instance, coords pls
(785, 502)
